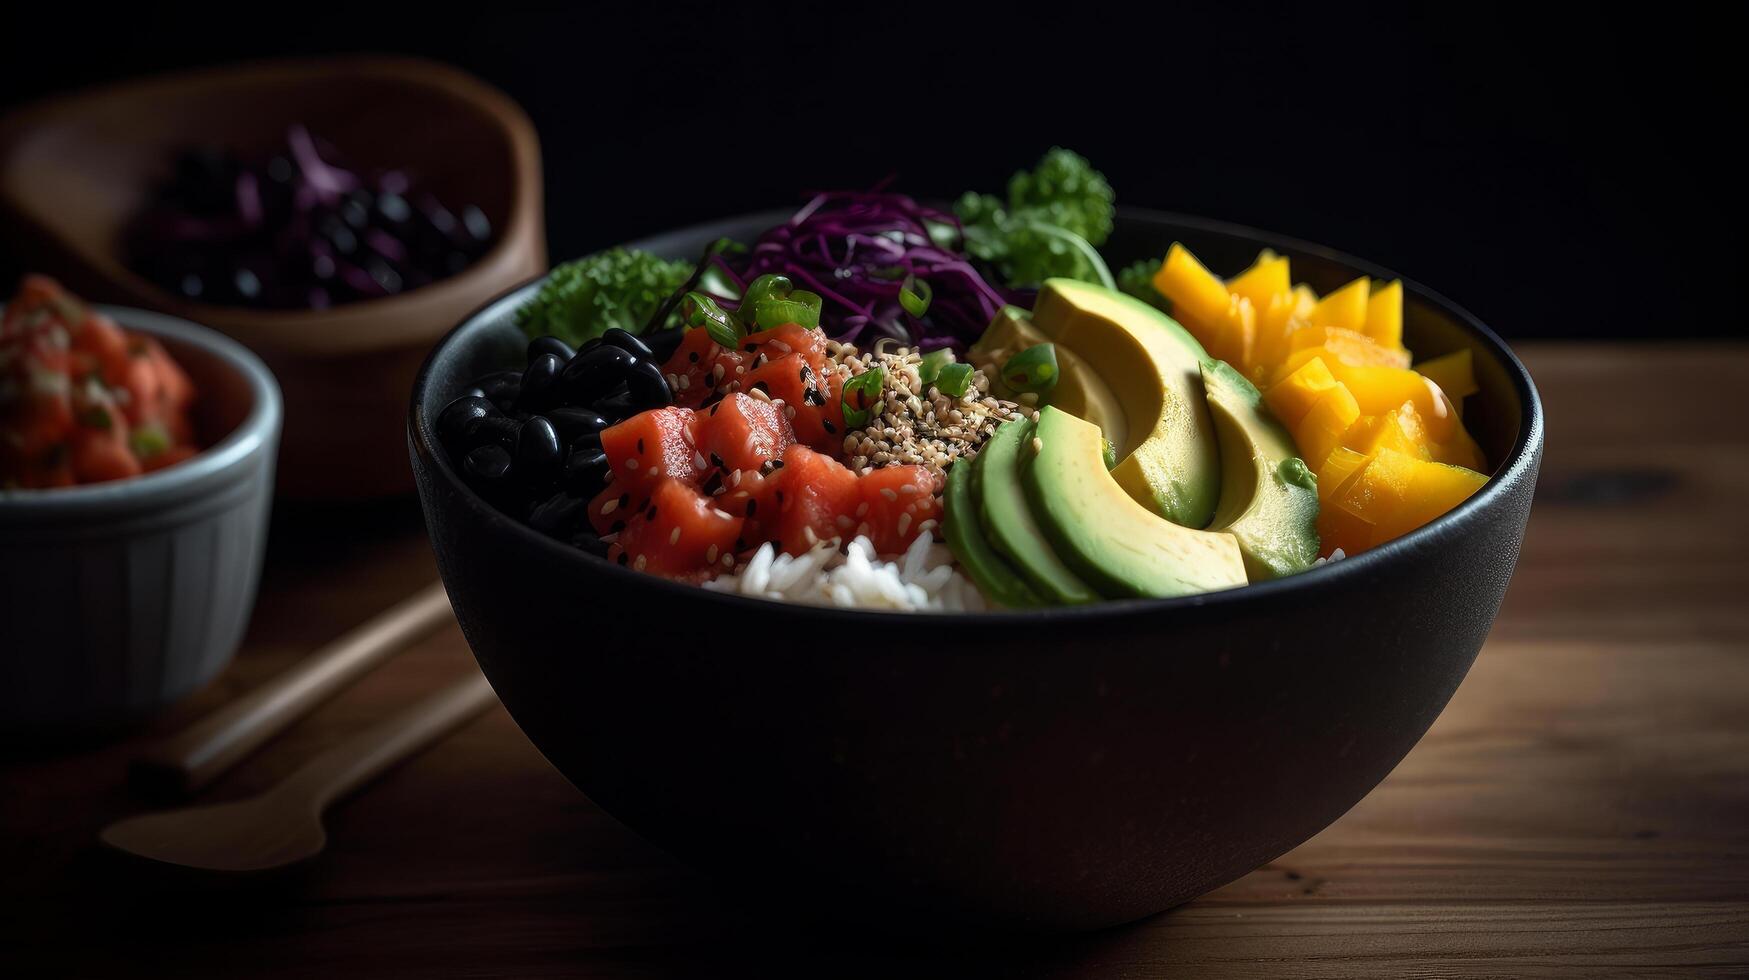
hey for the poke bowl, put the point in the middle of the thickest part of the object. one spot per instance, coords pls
(1058, 767)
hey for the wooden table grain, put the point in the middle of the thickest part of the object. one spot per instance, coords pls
(1580, 810)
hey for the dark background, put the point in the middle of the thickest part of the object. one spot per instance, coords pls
(1561, 178)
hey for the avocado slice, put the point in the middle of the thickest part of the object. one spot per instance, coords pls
(1169, 462)
(1269, 499)
(965, 537)
(1004, 516)
(1079, 390)
(1105, 535)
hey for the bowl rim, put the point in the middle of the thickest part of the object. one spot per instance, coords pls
(203, 473)
(309, 329)
(1519, 462)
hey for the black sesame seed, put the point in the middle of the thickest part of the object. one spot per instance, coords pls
(750, 348)
(780, 498)
(716, 460)
(804, 374)
(752, 505)
(625, 559)
(650, 514)
(829, 427)
(640, 446)
(617, 527)
(625, 498)
(692, 356)
(762, 386)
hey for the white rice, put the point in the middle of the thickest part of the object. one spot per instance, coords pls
(922, 579)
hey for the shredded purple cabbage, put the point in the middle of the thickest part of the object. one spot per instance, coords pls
(856, 248)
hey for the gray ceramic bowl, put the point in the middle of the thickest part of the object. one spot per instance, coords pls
(122, 597)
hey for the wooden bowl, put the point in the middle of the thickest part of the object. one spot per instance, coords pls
(74, 169)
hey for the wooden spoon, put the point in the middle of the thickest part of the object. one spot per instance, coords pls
(284, 825)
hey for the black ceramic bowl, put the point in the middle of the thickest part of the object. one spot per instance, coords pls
(1059, 769)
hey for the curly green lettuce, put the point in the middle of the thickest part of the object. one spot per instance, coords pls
(1052, 223)
(617, 288)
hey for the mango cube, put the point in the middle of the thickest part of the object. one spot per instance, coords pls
(1433, 489)
(1345, 308)
(1322, 429)
(1454, 373)
(1293, 396)
(1199, 298)
(1384, 315)
(1264, 281)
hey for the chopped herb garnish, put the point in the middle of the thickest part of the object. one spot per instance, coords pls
(914, 295)
(861, 394)
(954, 380)
(1033, 369)
(700, 310)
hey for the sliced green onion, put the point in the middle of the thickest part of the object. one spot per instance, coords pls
(914, 295)
(861, 394)
(801, 307)
(1033, 369)
(148, 440)
(931, 366)
(768, 286)
(954, 380)
(699, 310)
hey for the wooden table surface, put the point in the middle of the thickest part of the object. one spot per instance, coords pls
(1581, 809)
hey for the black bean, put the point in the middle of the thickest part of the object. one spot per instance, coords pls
(538, 455)
(501, 386)
(539, 383)
(492, 430)
(488, 464)
(572, 421)
(617, 407)
(586, 472)
(593, 374)
(628, 343)
(550, 345)
(647, 387)
(457, 416)
(557, 514)
(663, 343)
(588, 442)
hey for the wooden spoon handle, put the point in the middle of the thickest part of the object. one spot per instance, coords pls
(191, 759)
(350, 764)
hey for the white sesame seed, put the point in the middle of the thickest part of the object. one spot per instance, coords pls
(631, 464)
(888, 493)
(779, 345)
(674, 536)
(812, 538)
(639, 563)
(710, 555)
(760, 394)
(909, 488)
(610, 507)
(904, 524)
(862, 509)
(1038, 445)
(698, 459)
